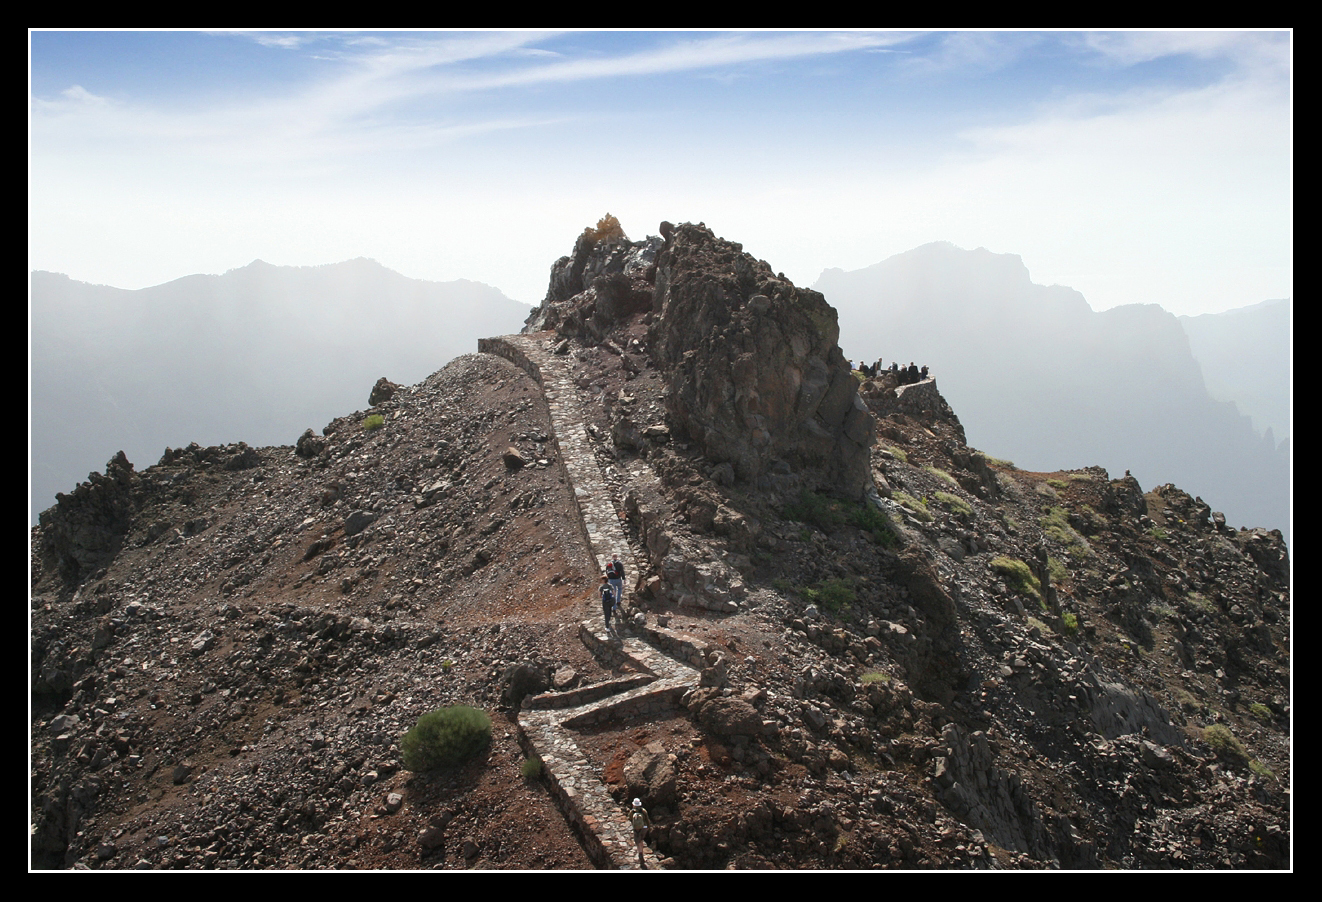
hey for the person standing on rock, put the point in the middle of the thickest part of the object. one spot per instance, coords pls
(615, 570)
(607, 601)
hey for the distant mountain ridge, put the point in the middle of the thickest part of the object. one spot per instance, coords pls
(1039, 377)
(259, 353)
(1245, 358)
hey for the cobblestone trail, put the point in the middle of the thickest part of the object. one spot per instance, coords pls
(547, 723)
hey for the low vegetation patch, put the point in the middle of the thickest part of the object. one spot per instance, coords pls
(531, 768)
(898, 453)
(373, 423)
(875, 676)
(827, 514)
(1261, 712)
(445, 737)
(1056, 525)
(942, 475)
(1070, 622)
(999, 461)
(1230, 750)
(833, 594)
(917, 505)
(954, 504)
(1018, 576)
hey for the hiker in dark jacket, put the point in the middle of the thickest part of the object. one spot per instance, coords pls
(615, 570)
(607, 601)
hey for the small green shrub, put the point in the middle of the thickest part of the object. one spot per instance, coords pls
(373, 423)
(531, 768)
(999, 462)
(1230, 750)
(1059, 572)
(899, 453)
(1041, 627)
(1056, 525)
(1226, 746)
(837, 594)
(918, 506)
(827, 513)
(813, 509)
(1070, 622)
(1059, 485)
(954, 503)
(833, 594)
(1018, 576)
(942, 475)
(445, 737)
(1261, 711)
(875, 676)
(1158, 533)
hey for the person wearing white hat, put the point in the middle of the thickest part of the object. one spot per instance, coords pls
(642, 825)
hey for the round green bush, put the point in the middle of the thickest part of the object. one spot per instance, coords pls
(445, 737)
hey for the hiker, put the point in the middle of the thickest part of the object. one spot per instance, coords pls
(607, 601)
(615, 570)
(642, 825)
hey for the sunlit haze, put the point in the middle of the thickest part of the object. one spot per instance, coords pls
(1133, 167)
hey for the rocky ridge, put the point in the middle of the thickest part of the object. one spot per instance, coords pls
(950, 663)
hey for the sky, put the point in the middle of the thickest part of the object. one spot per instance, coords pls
(1135, 167)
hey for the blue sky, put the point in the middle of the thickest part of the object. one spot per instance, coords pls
(1136, 167)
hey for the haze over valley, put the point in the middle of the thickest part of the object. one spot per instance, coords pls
(257, 355)
(1037, 376)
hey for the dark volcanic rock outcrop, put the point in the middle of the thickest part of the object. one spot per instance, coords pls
(753, 366)
(755, 371)
(84, 530)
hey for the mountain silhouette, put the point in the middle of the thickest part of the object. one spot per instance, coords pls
(260, 354)
(1042, 379)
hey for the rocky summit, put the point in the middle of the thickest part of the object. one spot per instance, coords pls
(846, 640)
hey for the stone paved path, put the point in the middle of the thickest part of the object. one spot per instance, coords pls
(547, 723)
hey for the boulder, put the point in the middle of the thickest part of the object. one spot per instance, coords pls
(650, 775)
(383, 391)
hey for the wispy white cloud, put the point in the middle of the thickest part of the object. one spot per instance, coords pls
(1249, 48)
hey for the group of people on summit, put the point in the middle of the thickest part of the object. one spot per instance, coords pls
(905, 375)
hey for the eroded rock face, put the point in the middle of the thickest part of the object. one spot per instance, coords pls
(84, 529)
(602, 282)
(754, 368)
